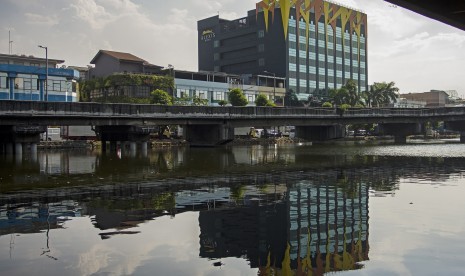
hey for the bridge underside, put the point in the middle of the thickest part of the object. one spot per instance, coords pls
(447, 11)
(320, 133)
(457, 126)
(400, 131)
(206, 135)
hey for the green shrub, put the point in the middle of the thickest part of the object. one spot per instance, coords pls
(327, 104)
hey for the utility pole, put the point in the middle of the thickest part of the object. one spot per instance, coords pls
(46, 71)
(10, 43)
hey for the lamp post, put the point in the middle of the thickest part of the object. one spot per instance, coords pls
(274, 84)
(46, 71)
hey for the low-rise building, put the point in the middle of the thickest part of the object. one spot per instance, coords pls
(215, 86)
(109, 62)
(404, 103)
(433, 98)
(210, 86)
(25, 77)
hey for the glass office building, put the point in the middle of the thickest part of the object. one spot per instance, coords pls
(316, 45)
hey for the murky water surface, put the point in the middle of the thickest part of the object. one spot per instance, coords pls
(354, 209)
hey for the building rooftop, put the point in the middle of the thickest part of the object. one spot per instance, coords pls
(118, 55)
(29, 58)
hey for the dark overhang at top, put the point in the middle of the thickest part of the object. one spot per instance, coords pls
(450, 12)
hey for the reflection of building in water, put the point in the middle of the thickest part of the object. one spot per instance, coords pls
(34, 217)
(328, 227)
(258, 154)
(255, 224)
(63, 162)
(319, 228)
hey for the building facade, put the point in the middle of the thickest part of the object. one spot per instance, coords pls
(110, 62)
(315, 46)
(206, 85)
(433, 98)
(24, 78)
(215, 86)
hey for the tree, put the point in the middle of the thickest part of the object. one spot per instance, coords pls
(290, 99)
(197, 101)
(326, 104)
(347, 94)
(237, 97)
(262, 100)
(353, 97)
(222, 102)
(338, 96)
(381, 93)
(184, 101)
(160, 97)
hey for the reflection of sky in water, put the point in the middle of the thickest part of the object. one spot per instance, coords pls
(164, 246)
(416, 226)
(419, 231)
(411, 149)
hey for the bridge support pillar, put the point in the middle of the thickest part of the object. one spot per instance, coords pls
(34, 152)
(144, 149)
(19, 149)
(209, 135)
(133, 149)
(15, 138)
(123, 134)
(457, 126)
(400, 139)
(400, 131)
(113, 146)
(9, 148)
(320, 133)
(104, 146)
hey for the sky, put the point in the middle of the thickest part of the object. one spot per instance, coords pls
(417, 53)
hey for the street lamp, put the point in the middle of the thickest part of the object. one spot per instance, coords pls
(274, 84)
(46, 71)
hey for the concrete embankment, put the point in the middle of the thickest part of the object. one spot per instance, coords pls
(167, 143)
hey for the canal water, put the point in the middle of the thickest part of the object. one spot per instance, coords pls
(345, 208)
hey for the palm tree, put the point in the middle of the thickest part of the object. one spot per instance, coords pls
(347, 94)
(390, 92)
(381, 93)
(338, 96)
(353, 97)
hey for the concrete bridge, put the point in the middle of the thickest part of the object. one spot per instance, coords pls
(22, 121)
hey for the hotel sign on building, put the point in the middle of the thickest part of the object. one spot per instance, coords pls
(207, 35)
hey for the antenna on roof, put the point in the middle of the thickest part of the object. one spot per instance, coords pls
(10, 43)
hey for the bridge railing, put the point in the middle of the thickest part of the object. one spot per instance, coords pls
(144, 110)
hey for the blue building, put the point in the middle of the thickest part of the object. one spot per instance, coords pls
(24, 78)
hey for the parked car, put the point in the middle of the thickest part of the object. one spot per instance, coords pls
(361, 132)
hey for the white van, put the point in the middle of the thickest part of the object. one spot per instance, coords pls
(52, 134)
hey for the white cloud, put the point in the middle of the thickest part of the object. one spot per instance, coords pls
(209, 5)
(33, 18)
(90, 12)
(229, 15)
(392, 22)
(402, 45)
